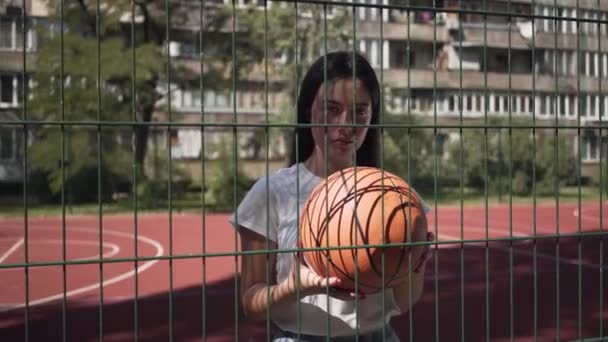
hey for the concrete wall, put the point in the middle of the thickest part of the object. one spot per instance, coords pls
(495, 81)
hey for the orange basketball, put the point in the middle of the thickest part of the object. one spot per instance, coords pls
(358, 207)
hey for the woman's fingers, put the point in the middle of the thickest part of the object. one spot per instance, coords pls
(330, 282)
(314, 283)
(346, 294)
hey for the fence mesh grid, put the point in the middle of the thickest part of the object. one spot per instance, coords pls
(476, 90)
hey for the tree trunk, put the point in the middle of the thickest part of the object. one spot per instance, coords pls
(141, 139)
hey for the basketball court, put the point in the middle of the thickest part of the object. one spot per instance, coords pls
(154, 283)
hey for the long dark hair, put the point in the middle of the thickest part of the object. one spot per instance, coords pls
(339, 65)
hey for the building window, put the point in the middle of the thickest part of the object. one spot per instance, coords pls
(196, 99)
(573, 110)
(10, 90)
(562, 105)
(6, 34)
(7, 144)
(12, 35)
(590, 146)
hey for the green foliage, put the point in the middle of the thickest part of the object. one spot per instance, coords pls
(413, 152)
(88, 67)
(227, 184)
(502, 160)
(313, 36)
(602, 179)
(75, 171)
(152, 194)
(515, 158)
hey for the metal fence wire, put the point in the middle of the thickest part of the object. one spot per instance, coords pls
(131, 131)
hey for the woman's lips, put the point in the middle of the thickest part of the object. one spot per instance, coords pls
(342, 142)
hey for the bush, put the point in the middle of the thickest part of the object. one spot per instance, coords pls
(513, 154)
(225, 181)
(521, 183)
(75, 171)
(152, 194)
(79, 188)
(222, 190)
(409, 153)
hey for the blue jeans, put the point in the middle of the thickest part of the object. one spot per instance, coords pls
(372, 336)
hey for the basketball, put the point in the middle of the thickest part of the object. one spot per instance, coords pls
(354, 208)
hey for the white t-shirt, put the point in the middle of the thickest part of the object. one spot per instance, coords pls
(285, 202)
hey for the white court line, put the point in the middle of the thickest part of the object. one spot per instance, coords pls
(544, 256)
(114, 249)
(476, 229)
(589, 217)
(116, 279)
(11, 250)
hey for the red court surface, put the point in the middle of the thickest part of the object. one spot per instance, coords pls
(556, 289)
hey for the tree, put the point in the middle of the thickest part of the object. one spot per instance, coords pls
(298, 43)
(132, 45)
(529, 159)
(412, 152)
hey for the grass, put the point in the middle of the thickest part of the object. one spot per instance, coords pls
(452, 197)
(191, 203)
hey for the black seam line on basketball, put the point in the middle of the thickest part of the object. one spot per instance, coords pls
(310, 207)
(349, 198)
(332, 180)
(342, 252)
(374, 206)
(338, 210)
(396, 189)
(357, 195)
(319, 188)
(332, 212)
(390, 218)
(315, 238)
(352, 194)
(322, 220)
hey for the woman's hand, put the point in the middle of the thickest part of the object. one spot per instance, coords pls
(311, 283)
(425, 256)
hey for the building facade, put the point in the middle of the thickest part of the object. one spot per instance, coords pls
(18, 45)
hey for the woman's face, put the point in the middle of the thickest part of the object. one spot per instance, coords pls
(344, 107)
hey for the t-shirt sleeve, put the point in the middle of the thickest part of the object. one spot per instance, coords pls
(257, 211)
(425, 206)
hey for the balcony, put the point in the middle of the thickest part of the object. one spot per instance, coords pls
(12, 60)
(424, 79)
(399, 31)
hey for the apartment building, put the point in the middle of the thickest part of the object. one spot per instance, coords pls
(15, 68)
(439, 64)
(553, 70)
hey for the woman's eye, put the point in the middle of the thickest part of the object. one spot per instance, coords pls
(333, 110)
(362, 111)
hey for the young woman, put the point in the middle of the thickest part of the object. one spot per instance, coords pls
(268, 216)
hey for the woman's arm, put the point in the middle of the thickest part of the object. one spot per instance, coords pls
(401, 292)
(260, 293)
(258, 290)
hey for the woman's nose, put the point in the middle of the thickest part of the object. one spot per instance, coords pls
(346, 117)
